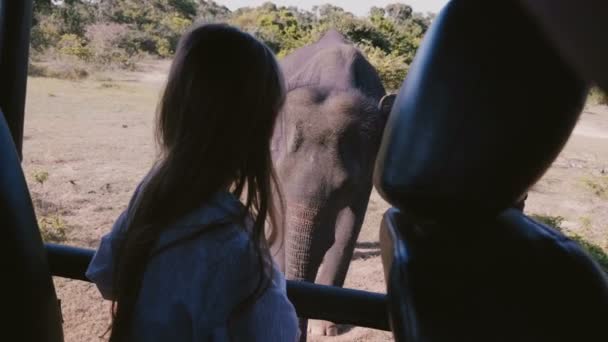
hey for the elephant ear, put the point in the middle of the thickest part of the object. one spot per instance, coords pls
(386, 104)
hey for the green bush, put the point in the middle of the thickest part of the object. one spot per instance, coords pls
(112, 45)
(52, 228)
(41, 176)
(210, 11)
(73, 45)
(158, 23)
(52, 21)
(163, 47)
(551, 221)
(277, 28)
(46, 33)
(115, 33)
(598, 96)
(392, 67)
(168, 33)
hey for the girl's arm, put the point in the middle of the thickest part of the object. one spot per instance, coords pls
(101, 268)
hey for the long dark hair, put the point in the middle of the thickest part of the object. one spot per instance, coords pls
(214, 125)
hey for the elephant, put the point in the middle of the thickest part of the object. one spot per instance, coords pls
(324, 148)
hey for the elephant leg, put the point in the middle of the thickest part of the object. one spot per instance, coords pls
(338, 257)
(337, 260)
(307, 241)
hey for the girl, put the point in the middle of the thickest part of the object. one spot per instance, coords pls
(187, 261)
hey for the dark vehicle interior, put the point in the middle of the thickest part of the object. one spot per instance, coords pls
(460, 263)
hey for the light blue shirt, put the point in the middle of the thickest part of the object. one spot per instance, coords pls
(195, 280)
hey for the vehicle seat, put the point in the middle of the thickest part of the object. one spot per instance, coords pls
(30, 302)
(487, 106)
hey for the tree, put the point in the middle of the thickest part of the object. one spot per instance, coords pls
(156, 24)
(376, 13)
(279, 28)
(186, 8)
(329, 12)
(211, 11)
(398, 12)
(391, 67)
(121, 29)
(52, 20)
(42, 6)
(268, 7)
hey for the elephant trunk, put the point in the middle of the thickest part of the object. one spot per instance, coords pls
(298, 253)
(302, 252)
(306, 243)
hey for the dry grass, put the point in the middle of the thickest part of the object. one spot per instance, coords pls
(59, 70)
(597, 185)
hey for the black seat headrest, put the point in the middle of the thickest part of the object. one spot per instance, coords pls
(29, 294)
(485, 109)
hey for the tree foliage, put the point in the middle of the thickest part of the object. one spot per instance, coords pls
(389, 36)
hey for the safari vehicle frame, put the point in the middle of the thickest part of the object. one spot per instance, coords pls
(345, 306)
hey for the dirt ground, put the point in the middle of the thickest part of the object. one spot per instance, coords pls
(94, 139)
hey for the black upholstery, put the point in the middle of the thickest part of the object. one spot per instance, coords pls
(507, 279)
(15, 23)
(395, 260)
(485, 109)
(2, 21)
(30, 303)
(31, 309)
(487, 106)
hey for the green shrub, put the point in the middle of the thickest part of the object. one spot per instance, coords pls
(73, 45)
(41, 176)
(392, 67)
(46, 33)
(176, 23)
(163, 47)
(52, 21)
(171, 27)
(112, 45)
(115, 33)
(551, 221)
(52, 228)
(598, 96)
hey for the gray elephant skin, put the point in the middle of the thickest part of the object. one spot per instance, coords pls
(324, 148)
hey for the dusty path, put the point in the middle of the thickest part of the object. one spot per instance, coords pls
(94, 138)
